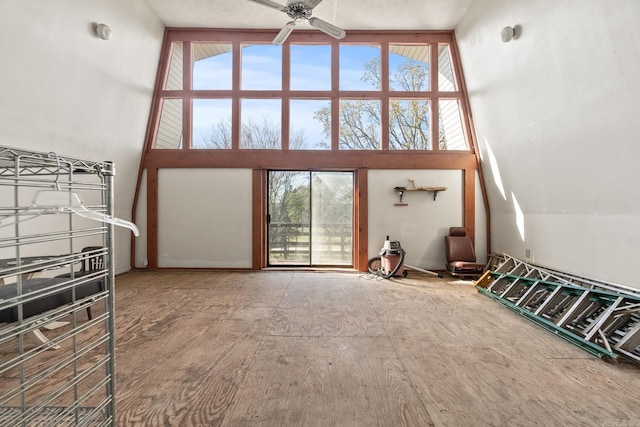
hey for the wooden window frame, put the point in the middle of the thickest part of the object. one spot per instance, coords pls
(260, 160)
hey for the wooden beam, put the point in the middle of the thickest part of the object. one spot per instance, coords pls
(361, 245)
(152, 218)
(259, 212)
(294, 160)
(470, 202)
(470, 132)
(286, 159)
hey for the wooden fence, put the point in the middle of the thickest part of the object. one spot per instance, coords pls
(291, 243)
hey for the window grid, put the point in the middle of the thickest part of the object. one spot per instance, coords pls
(440, 61)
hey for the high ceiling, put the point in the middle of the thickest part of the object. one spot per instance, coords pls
(347, 14)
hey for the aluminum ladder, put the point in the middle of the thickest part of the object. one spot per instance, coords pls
(599, 317)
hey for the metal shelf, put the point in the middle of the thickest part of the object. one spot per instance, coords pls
(66, 375)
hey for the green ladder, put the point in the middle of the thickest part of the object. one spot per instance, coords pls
(599, 317)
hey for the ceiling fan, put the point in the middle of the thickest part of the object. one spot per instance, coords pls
(301, 9)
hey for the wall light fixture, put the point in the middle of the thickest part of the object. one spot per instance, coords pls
(103, 31)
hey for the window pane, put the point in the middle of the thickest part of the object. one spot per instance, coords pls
(261, 125)
(409, 124)
(261, 67)
(174, 76)
(310, 67)
(331, 218)
(310, 124)
(446, 78)
(212, 66)
(359, 125)
(409, 67)
(211, 123)
(170, 127)
(451, 134)
(359, 67)
(289, 207)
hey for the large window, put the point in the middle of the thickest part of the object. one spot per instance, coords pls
(229, 99)
(395, 92)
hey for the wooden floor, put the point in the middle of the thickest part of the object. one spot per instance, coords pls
(336, 349)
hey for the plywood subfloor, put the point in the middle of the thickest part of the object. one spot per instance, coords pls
(333, 349)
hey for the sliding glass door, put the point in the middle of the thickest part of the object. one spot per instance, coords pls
(289, 218)
(310, 218)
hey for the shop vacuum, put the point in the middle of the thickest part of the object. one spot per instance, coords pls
(390, 262)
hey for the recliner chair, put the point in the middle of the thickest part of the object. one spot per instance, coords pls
(461, 256)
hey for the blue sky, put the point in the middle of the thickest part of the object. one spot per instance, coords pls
(262, 70)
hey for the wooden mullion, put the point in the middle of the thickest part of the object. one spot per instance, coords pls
(235, 99)
(384, 102)
(285, 95)
(335, 98)
(187, 105)
(434, 106)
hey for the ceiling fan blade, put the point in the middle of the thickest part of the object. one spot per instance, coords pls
(272, 4)
(284, 32)
(327, 28)
(311, 3)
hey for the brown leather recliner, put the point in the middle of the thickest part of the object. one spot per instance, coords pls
(461, 256)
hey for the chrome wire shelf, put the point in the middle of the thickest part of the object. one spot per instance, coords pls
(57, 361)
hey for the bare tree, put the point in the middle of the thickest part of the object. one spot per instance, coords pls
(264, 134)
(409, 119)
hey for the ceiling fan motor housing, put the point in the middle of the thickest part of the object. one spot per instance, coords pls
(298, 10)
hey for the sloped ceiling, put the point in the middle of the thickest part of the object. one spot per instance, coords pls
(347, 14)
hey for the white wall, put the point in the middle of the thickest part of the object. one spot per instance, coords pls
(204, 218)
(558, 108)
(421, 226)
(65, 90)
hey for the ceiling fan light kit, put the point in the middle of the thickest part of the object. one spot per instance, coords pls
(299, 10)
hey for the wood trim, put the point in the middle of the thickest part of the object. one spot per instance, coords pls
(433, 102)
(150, 133)
(471, 134)
(302, 159)
(469, 194)
(187, 104)
(285, 99)
(152, 218)
(384, 102)
(335, 99)
(362, 221)
(259, 213)
(235, 101)
(301, 36)
(261, 160)
(306, 94)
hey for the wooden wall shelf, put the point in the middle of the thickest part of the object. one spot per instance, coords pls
(402, 190)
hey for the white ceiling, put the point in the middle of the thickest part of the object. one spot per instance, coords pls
(347, 14)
